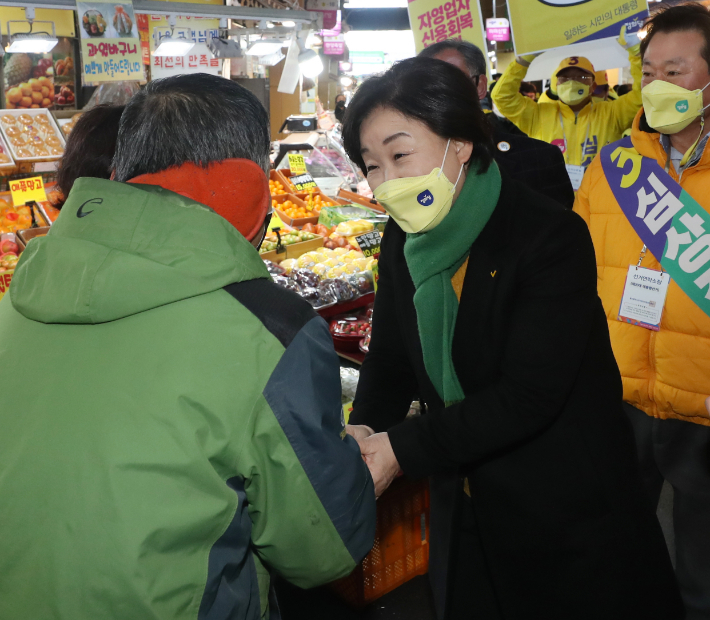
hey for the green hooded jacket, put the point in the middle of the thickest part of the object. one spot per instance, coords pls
(171, 428)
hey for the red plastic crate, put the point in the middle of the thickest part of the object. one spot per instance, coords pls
(401, 548)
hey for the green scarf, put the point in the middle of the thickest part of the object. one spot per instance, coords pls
(433, 258)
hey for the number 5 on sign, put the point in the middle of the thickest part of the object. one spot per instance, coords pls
(26, 190)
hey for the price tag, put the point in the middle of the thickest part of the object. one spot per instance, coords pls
(25, 190)
(276, 222)
(369, 243)
(297, 164)
(303, 181)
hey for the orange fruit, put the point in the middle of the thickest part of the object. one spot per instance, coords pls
(37, 97)
(26, 89)
(35, 84)
(25, 102)
(14, 95)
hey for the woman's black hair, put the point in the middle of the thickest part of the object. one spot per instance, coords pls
(90, 146)
(431, 91)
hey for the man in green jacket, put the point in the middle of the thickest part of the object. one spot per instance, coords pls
(171, 430)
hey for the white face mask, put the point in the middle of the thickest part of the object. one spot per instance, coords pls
(419, 204)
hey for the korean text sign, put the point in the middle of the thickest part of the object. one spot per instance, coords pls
(198, 60)
(110, 44)
(435, 20)
(539, 25)
(26, 190)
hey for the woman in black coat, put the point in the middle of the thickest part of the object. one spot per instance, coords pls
(487, 310)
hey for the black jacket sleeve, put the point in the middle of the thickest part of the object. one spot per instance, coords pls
(550, 324)
(537, 164)
(387, 382)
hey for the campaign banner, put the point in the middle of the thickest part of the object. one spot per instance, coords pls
(539, 25)
(673, 226)
(110, 44)
(433, 20)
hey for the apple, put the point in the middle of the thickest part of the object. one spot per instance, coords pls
(9, 246)
(61, 100)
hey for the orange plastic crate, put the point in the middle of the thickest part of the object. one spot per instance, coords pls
(401, 548)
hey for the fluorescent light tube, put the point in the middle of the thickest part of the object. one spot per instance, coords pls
(174, 47)
(34, 45)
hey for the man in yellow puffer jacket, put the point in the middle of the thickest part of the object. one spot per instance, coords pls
(666, 373)
(577, 125)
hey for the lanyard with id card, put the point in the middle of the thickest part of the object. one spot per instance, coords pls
(575, 173)
(644, 296)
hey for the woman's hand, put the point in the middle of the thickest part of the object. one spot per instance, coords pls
(380, 459)
(358, 431)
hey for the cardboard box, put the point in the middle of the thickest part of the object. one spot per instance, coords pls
(277, 177)
(351, 197)
(276, 201)
(304, 196)
(294, 250)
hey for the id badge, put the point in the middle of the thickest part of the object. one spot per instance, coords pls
(644, 297)
(576, 174)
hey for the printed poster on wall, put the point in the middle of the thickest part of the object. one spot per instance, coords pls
(539, 25)
(435, 20)
(198, 60)
(110, 45)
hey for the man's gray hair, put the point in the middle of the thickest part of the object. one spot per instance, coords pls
(475, 60)
(197, 118)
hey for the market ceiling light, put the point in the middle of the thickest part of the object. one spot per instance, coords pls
(310, 63)
(346, 81)
(30, 42)
(264, 47)
(172, 46)
(288, 24)
(27, 44)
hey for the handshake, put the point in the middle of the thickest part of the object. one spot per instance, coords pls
(378, 455)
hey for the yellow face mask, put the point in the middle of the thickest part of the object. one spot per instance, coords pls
(670, 108)
(419, 204)
(572, 92)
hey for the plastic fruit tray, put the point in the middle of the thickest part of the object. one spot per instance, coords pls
(32, 135)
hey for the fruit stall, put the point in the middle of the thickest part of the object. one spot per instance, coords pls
(315, 248)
